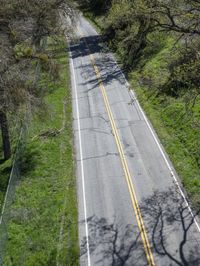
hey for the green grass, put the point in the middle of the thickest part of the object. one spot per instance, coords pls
(43, 226)
(177, 130)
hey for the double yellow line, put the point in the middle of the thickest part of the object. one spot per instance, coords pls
(134, 200)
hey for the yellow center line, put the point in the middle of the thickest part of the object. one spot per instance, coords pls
(140, 222)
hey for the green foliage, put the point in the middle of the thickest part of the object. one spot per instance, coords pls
(127, 28)
(23, 50)
(184, 73)
(43, 57)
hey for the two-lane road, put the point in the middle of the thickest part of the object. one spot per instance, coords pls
(131, 209)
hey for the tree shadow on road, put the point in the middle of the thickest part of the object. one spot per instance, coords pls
(172, 233)
(113, 244)
(103, 60)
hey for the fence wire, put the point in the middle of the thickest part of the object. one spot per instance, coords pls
(10, 193)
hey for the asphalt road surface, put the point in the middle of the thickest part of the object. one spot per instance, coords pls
(132, 210)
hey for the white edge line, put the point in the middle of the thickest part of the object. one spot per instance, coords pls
(166, 161)
(81, 156)
(161, 149)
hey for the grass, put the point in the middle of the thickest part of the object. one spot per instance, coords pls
(43, 226)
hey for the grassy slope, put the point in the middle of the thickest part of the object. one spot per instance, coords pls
(178, 133)
(43, 228)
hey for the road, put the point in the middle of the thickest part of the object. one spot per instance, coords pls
(132, 209)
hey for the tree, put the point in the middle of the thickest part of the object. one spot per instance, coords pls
(182, 16)
(23, 25)
(130, 22)
(127, 27)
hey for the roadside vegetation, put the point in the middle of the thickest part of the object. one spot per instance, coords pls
(44, 215)
(24, 28)
(157, 43)
(40, 222)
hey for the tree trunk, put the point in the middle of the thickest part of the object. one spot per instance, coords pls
(5, 135)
